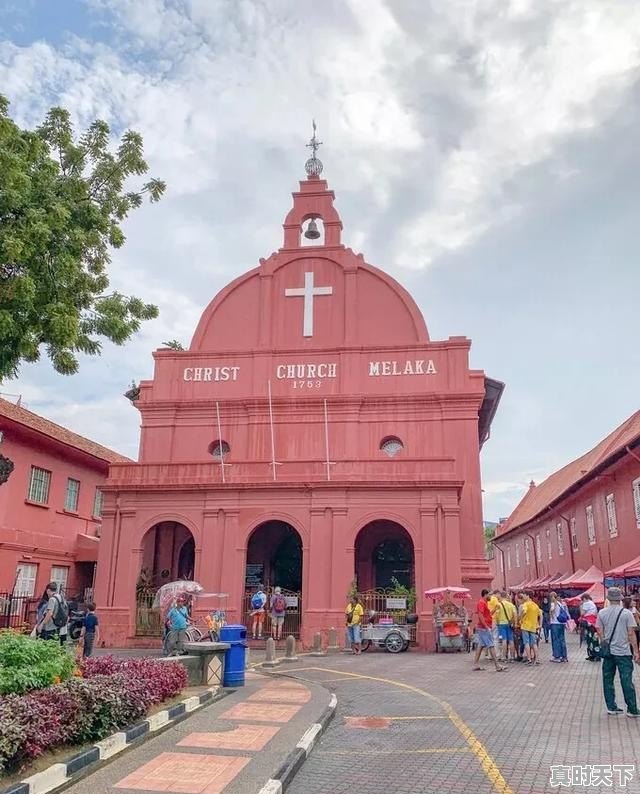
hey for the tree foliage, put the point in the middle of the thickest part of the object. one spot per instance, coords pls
(63, 199)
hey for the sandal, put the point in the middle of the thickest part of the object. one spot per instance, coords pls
(501, 669)
(479, 669)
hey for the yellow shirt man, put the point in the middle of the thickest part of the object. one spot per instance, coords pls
(530, 614)
(494, 606)
(355, 613)
(506, 613)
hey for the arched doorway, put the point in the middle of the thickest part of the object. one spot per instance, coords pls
(168, 553)
(274, 559)
(385, 568)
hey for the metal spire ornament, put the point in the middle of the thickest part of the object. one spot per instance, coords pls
(313, 166)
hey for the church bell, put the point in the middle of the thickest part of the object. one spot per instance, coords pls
(312, 232)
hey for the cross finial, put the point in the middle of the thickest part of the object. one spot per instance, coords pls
(313, 166)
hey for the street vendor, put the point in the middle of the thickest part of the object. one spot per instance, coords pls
(177, 622)
(354, 613)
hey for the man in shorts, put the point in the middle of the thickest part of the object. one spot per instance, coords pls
(505, 617)
(530, 620)
(278, 607)
(484, 633)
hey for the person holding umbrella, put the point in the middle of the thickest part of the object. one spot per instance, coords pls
(177, 622)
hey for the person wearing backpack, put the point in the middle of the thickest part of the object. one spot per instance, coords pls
(258, 601)
(56, 615)
(618, 649)
(278, 606)
(558, 618)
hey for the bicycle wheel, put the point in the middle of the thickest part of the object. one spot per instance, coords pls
(193, 634)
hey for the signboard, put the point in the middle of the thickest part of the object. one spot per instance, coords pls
(292, 602)
(396, 603)
(254, 574)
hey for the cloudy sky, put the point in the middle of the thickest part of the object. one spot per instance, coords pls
(485, 153)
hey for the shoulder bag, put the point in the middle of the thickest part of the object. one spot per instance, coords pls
(605, 644)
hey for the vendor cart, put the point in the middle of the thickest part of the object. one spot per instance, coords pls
(383, 633)
(450, 620)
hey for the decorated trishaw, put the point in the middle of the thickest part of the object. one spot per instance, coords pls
(450, 619)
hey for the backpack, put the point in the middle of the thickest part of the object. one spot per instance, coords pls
(563, 615)
(61, 613)
(257, 601)
(279, 603)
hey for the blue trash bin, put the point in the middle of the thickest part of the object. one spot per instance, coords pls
(234, 658)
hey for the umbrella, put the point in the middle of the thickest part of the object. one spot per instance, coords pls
(438, 593)
(170, 591)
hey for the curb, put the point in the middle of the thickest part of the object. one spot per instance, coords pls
(79, 765)
(281, 780)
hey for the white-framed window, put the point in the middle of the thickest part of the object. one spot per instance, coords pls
(560, 538)
(591, 525)
(612, 519)
(517, 555)
(39, 483)
(97, 504)
(508, 558)
(635, 487)
(527, 552)
(501, 563)
(574, 534)
(26, 574)
(538, 548)
(547, 532)
(72, 495)
(60, 575)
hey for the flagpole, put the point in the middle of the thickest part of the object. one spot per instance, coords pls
(326, 439)
(273, 443)
(220, 441)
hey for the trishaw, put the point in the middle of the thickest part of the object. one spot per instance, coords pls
(385, 634)
(450, 620)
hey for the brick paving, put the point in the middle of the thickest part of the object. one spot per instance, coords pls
(526, 720)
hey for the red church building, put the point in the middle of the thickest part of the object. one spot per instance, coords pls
(312, 437)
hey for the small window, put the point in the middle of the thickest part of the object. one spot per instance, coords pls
(71, 496)
(508, 558)
(527, 552)
(612, 519)
(591, 525)
(574, 534)
(97, 503)
(560, 538)
(25, 579)
(549, 550)
(517, 555)
(391, 446)
(219, 449)
(538, 549)
(635, 485)
(39, 483)
(60, 575)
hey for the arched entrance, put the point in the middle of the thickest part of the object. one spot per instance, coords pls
(385, 568)
(274, 559)
(168, 553)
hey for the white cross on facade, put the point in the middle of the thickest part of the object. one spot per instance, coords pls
(308, 292)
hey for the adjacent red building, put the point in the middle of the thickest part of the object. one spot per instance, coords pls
(50, 506)
(584, 516)
(312, 437)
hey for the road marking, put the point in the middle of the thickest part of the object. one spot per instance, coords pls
(438, 717)
(426, 751)
(489, 766)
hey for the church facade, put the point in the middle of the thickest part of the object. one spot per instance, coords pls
(312, 437)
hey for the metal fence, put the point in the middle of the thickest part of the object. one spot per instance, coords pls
(389, 603)
(17, 611)
(292, 618)
(148, 617)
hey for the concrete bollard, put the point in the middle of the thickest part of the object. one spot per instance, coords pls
(290, 649)
(333, 640)
(270, 660)
(317, 645)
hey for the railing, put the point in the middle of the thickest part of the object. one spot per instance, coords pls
(388, 603)
(148, 617)
(163, 474)
(292, 617)
(17, 611)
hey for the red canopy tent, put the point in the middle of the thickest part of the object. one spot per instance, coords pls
(567, 581)
(597, 593)
(590, 577)
(628, 570)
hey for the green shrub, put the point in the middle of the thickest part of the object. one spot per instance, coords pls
(27, 664)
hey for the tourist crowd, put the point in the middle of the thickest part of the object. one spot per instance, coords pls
(516, 627)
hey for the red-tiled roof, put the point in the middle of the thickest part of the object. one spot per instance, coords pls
(539, 497)
(22, 416)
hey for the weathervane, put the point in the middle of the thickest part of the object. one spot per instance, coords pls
(313, 166)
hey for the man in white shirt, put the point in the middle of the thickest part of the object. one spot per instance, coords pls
(616, 626)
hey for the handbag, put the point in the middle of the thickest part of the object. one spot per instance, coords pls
(605, 644)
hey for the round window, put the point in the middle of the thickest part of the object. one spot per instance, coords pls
(391, 446)
(219, 449)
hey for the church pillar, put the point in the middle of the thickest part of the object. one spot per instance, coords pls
(427, 573)
(233, 562)
(209, 551)
(451, 521)
(315, 579)
(343, 560)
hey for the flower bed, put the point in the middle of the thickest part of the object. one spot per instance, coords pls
(111, 695)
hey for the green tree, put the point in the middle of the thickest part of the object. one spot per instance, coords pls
(63, 198)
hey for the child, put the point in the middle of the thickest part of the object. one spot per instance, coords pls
(89, 633)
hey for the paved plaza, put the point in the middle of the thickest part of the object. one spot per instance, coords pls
(414, 723)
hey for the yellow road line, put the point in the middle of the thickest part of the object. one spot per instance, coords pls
(426, 751)
(489, 766)
(437, 717)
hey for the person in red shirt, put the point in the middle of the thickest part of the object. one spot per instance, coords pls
(484, 633)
